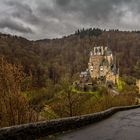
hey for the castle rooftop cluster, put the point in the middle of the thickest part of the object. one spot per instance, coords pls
(102, 66)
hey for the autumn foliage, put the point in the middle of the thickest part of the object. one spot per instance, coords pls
(14, 108)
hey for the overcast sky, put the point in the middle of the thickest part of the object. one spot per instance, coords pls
(36, 19)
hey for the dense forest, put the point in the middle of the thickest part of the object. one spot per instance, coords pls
(50, 66)
(50, 59)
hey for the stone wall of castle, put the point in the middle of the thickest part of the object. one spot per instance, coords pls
(111, 77)
(98, 68)
(94, 64)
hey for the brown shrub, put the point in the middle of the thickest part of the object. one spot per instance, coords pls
(14, 108)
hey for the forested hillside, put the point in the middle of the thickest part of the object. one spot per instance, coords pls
(52, 59)
(72, 53)
(50, 66)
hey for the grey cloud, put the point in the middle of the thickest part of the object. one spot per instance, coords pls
(63, 2)
(23, 11)
(55, 18)
(96, 9)
(18, 4)
(12, 25)
(85, 11)
(93, 12)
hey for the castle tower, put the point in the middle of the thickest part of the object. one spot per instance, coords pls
(96, 57)
(98, 50)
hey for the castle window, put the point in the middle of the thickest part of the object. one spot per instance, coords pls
(100, 50)
(96, 50)
(101, 68)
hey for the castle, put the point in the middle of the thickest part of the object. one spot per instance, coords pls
(102, 66)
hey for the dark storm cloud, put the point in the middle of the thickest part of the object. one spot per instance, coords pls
(22, 11)
(92, 12)
(55, 18)
(12, 25)
(63, 2)
(96, 9)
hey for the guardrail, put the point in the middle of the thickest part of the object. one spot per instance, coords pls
(40, 129)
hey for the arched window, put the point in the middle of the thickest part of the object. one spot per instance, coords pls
(96, 50)
(100, 50)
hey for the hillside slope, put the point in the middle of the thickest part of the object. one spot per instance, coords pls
(52, 59)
